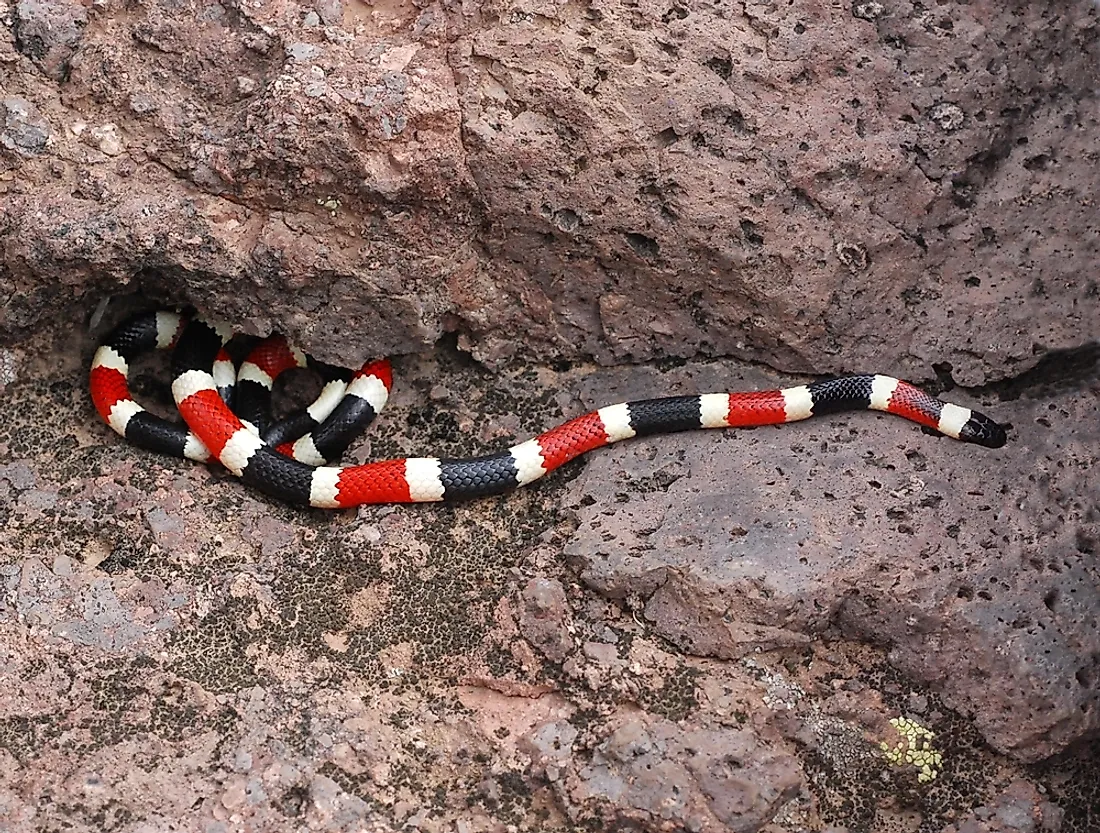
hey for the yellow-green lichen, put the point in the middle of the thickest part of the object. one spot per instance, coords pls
(914, 748)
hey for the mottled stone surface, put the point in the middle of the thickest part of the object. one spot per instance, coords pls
(976, 569)
(743, 631)
(820, 187)
(545, 618)
(175, 647)
(1020, 809)
(48, 32)
(670, 776)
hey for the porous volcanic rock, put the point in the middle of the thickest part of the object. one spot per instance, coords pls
(818, 187)
(975, 568)
(744, 619)
(177, 649)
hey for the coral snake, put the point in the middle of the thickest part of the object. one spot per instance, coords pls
(288, 459)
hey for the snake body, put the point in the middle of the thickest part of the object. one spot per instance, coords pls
(292, 466)
(314, 436)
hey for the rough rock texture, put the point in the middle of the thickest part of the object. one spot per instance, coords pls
(844, 625)
(671, 776)
(818, 186)
(977, 570)
(544, 618)
(1020, 809)
(175, 648)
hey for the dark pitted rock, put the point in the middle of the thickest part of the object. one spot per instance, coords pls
(23, 130)
(49, 32)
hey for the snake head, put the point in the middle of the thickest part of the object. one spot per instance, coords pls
(984, 431)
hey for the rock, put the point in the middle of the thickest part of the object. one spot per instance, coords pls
(550, 747)
(23, 130)
(659, 776)
(331, 11)
(1019, 809)
(205, 647)
(106, 137)
(245, 86)
(859, 187)
(810, 187)
(973, 568)
(49, 32)
(545, 619)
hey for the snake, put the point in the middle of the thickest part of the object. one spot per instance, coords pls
(320, 433)
(290, 460)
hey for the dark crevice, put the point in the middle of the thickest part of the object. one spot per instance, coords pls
(1057, 371)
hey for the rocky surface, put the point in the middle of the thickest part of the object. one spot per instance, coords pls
(816, 186)
(742, 635)
(844, 625)
(1020, 809)
(978, 576)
